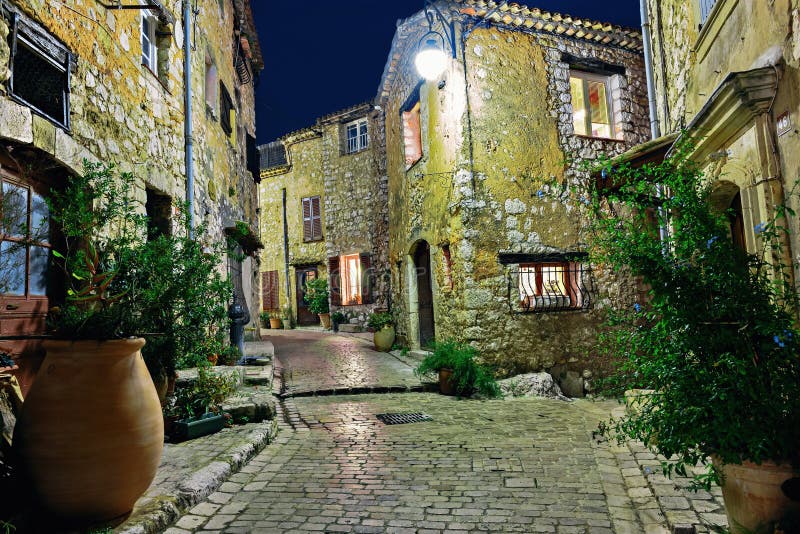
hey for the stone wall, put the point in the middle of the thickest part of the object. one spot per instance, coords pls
(477, 189)
(122, 113)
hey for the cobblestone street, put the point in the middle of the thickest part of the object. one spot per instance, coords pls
(523, 465)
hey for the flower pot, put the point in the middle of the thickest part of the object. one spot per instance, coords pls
(446, 386)
(384, 338)
(275, 323)
(325, 319)
(209, 423)
(754, 500)
(90, 432)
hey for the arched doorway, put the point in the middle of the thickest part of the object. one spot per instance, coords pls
(422, 264)
(727, 196)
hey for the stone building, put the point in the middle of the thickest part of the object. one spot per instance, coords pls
(478, 248)
(86, 79)
(728, 72)
(323, 214)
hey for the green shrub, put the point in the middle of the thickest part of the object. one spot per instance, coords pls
(317, 295)
(468, 376)
(377, 321)
(204, 395)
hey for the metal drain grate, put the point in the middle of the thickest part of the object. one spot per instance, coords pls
(403, 418)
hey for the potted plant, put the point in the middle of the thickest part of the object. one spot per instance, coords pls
(317, 299)
(275, 320)
(287, 317)
(458, 371)
(382, 324)
(92, 415)
(716, 343)
(337, 318)
(197, 405)
(264, 316)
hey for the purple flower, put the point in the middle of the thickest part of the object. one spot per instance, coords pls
(604, 173)
(711, 241)
(637, 307)
(540, 193)
(760, 227)
(778, 341)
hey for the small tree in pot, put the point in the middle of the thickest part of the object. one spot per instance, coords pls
(716, 342)
(317, 299)
(382, 324)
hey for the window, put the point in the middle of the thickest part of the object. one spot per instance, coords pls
(40, 69)
(159, 214)
(269, 291)
(24, 240)
(227, 113)
(149, 49)
(705, 9)
(592, 109)
(212, 85)
(357, 138)
(312, 219)
(447, 264)
(547, 282)
(350, 279)
(412, 134)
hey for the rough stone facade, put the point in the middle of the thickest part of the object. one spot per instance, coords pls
(730, 75)
(493, 140)
(122, 112)
(352, 188)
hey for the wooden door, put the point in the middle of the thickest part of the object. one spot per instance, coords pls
(304, 316)
(422, 261)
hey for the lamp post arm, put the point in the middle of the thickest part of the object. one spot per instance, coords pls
(433, 13)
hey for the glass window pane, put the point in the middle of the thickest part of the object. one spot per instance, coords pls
(578, 106)
(14, 210)
(352, 131)
(12, 268)
(40, 219)
(527, 282)
(37, 285)
(598, 102)
(553, 280)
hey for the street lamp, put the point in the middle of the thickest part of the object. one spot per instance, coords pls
(431, 59)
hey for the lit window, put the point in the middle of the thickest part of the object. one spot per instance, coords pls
(592, 110)
(149, 49)
(357, 138)
(412, 134)
(551, 286)
(350, 269)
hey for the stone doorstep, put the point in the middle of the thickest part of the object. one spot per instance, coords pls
(250, 405)
(165, 509)
(350, 328)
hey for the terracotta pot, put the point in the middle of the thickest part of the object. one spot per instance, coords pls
(446, 386)
(90, 432)
(384, 338)
(325, 319)
(275, 323)
(754, 500)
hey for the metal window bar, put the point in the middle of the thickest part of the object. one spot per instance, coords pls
(273, 155)
(705, 9)
(549, 287)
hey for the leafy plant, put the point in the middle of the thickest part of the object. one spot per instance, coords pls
(338, 317)
(264, 316)
(377, 321)
(717, 340)
(204, 394)
(468, 376)
(317, 295)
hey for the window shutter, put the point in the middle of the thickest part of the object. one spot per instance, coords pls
(269, 290)
(307, 226)
(316, 219)
(366, 279)
(412, 135)
(334, 281)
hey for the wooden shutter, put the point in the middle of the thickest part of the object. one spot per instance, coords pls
(307, 225)
(334, 281)
(316, 219)
(366, 278)
(412, 135)
(269, 290)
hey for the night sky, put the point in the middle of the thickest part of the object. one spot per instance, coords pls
(325, 55)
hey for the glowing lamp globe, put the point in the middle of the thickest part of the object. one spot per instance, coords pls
(431, 61)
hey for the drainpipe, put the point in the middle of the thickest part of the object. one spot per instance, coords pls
(286, 250)
(188, 128)
(655, 127)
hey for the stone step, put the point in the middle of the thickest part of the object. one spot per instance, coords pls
(249, 405)
(350, 328)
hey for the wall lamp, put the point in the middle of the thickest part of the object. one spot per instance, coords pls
(431, 59)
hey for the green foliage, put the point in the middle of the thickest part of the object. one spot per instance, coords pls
(229, 355)
(717, 339)
(204, 395)
(378, 320)
(264, 316)
(338, 317)
(468, 376)
(317, 295)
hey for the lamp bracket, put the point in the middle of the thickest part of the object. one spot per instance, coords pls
(433, 14)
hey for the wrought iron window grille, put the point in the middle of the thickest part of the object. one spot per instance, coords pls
(548, 283)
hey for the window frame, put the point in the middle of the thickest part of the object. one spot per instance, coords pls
(575, 281)
(361, 139)
(311, 236)
(346, 282)
(605, 79)
(705, 8)
(149, 60)
(25, 33)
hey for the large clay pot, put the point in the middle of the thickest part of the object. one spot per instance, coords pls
(325, 319)
(446, 386)
(754, 500)
(90, 433)
(384, 338)
(275, 323)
